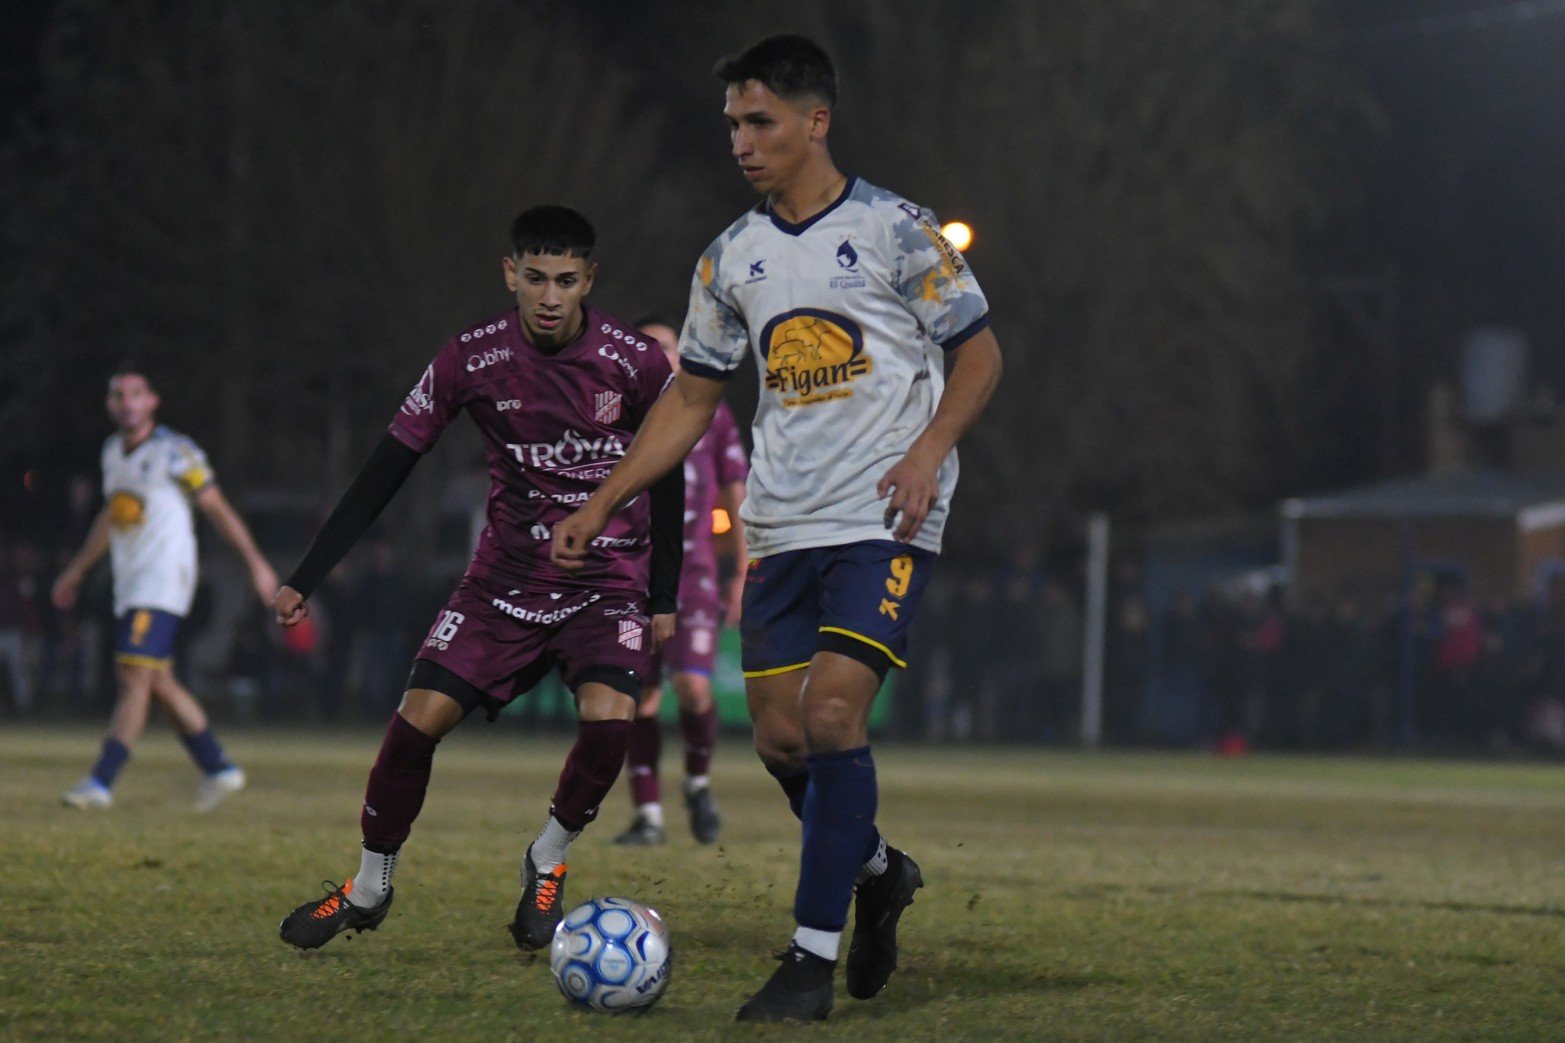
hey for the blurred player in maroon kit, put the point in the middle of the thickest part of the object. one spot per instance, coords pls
(557, 390)
(715, 472)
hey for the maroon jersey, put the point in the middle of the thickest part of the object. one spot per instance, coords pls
(553, 426)
(718, 459)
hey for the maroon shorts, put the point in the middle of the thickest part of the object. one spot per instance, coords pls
(504, 643)
(693, 648)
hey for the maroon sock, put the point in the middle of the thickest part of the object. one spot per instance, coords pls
(590, 770)
(646, 745)
(397, 785)
(700, 732)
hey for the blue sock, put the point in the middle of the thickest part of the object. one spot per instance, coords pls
(793, 787)
(110, 761)
(839, 827)
(205, 751)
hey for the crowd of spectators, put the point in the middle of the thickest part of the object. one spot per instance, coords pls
(997, 657)
(1235, 666)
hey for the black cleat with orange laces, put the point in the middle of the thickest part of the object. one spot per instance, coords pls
(315, 923)
(541, 908)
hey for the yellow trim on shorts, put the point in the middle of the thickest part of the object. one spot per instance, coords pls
(130, 659)
(868, 641)
(775, 670)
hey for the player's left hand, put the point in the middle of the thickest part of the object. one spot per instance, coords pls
(917, 489)
(663, 627)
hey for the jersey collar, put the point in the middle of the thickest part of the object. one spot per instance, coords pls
(790, 228)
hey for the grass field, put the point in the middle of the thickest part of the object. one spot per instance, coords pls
(1158, 896)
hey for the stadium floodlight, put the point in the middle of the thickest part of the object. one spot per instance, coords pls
(959, 233)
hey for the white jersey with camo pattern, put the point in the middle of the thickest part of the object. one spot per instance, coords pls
(152, 534)
(847, 314)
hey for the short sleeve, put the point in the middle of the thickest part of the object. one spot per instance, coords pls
(431, 405)
(934, 280)
(715, 338)
(188, 466)
(733, 465)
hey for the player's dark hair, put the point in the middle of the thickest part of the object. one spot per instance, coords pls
(128, 368)
(789, 66)
(552, 230)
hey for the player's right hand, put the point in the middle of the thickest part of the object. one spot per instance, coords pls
(64, 592)
(573, 538)
(290, 606)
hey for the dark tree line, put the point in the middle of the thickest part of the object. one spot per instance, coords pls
(286, 206)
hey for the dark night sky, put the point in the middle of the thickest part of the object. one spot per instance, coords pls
(1462, 205)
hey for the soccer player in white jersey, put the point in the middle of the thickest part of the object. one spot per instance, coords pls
(151, 475)
(854, 305)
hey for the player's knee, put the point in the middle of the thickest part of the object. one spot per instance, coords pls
(694, 692)
(780, 750)
(833, 724)
(651, 702)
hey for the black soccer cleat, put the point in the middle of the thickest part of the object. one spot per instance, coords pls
(800, 989)
(542, 906)
(642, 833)
(315, 923)
(704, 820)
(878, 904)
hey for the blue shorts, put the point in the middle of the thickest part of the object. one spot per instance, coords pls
(857, 599)
(145, 637)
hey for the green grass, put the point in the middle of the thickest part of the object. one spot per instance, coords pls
(1156, 896)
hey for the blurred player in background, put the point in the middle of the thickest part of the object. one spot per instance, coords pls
(151, 475)
(557, 390)
(714, 478)
(853, 302)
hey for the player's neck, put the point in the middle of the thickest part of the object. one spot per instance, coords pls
(133, 438)
(815, 189)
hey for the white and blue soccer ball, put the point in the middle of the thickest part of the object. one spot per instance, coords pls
(611, 955)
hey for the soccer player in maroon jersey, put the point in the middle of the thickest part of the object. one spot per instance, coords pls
(557, 390)
(715, 472)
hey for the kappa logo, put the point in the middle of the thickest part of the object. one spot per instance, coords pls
(539, 532)
(630, 632)
(482, 331)
(606, 407)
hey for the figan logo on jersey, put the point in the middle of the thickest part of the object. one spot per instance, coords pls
(811, 355)
(126, 509)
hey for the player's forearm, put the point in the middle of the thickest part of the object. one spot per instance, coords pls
(230, 526)
(673, 426)
(93, 548)
(732, 542)
(974, 375)
(367, 495)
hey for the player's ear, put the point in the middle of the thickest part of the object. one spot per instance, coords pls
(587, 277)
(820, 122)
(508, 265)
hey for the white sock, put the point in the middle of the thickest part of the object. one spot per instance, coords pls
(878, 862)
(552, 845)
(697, 783)
(822, 943)
(374, 879)
(651, 814)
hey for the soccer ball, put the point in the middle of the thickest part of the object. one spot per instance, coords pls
(611, 955)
